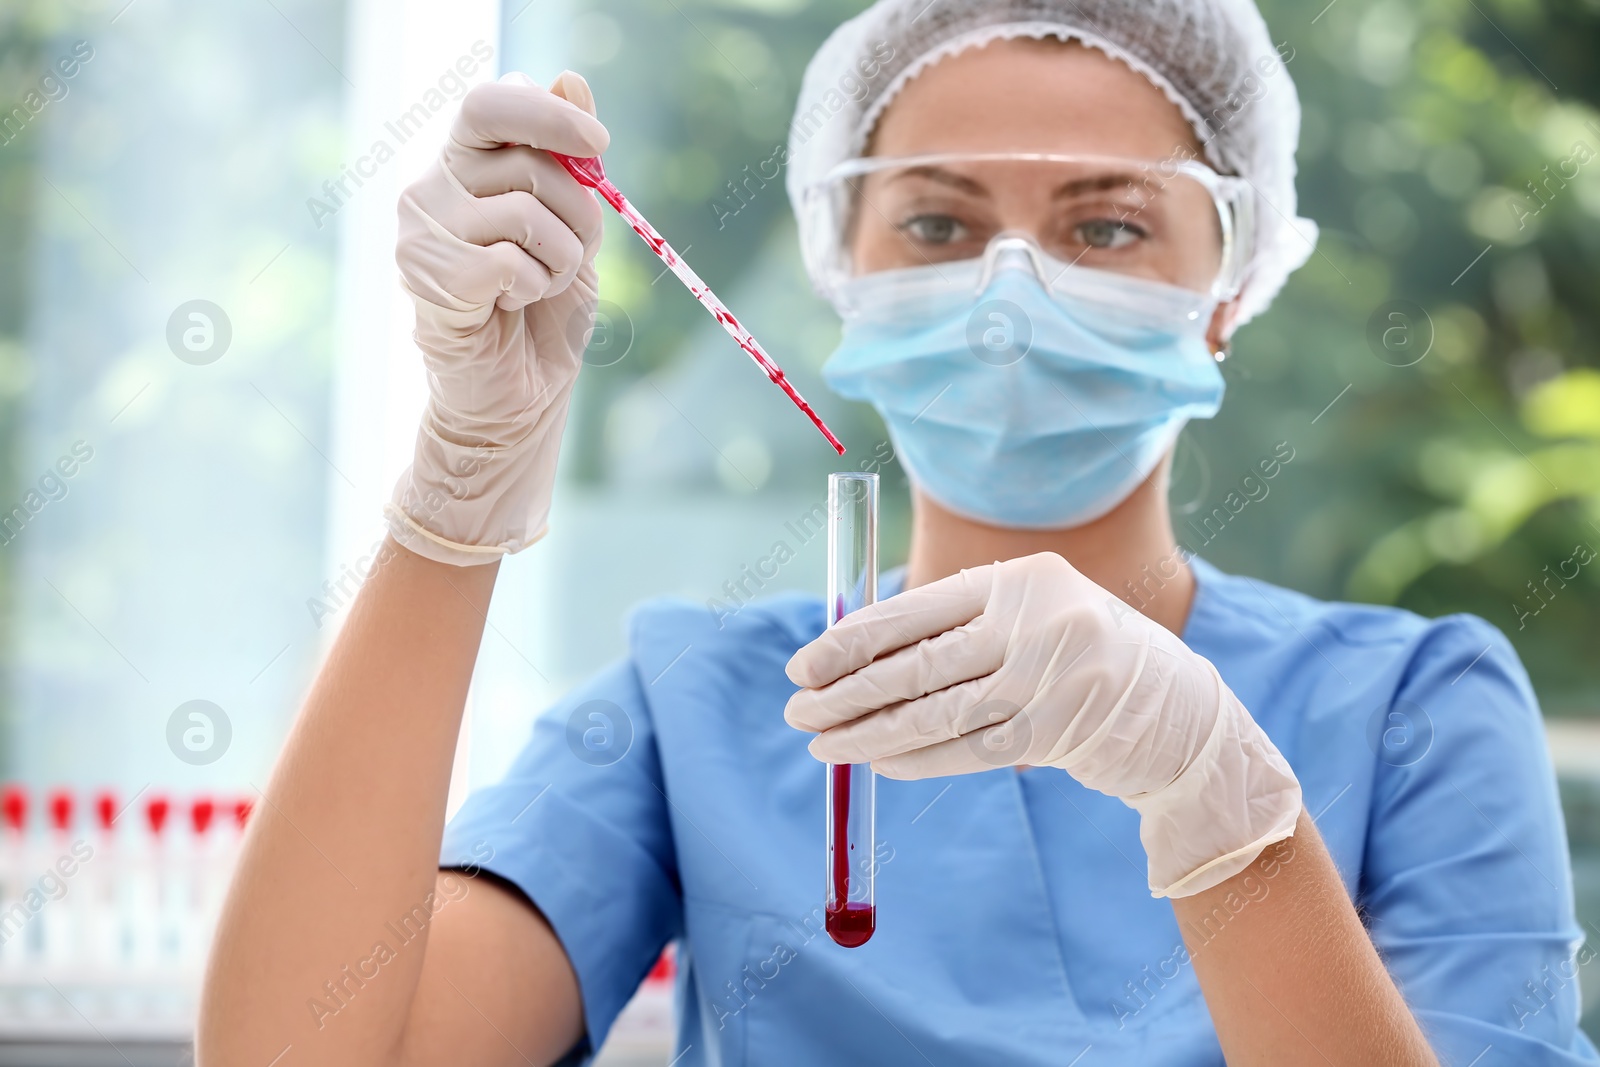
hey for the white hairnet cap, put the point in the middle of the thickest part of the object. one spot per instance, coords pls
(1212, 58)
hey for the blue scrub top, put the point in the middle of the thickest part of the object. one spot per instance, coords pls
(667, 799)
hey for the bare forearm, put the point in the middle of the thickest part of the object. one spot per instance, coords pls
(1287, 969)
(346, 836)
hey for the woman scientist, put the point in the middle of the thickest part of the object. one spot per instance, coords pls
(1139, 811)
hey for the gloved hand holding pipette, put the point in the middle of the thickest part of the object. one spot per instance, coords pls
(1027, 662)
(496, 248)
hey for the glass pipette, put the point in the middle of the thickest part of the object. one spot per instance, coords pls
(592, 174)
(851, 913)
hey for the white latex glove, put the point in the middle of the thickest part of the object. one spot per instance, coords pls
(1028, 662)
(496, 248)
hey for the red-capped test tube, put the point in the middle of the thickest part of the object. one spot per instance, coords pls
(201, 812)
(62, 807)
(14, 807)
(105, 810)
(851, 911)
(156, 810)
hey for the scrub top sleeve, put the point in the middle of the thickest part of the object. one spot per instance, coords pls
(579, 824)
(1467, 888)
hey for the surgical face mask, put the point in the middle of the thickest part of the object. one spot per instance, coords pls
(1021, 391)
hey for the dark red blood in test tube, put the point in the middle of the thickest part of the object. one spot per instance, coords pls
(200, 814)
(849, 923)
(61, 810)
(155, 812)
(851, 926)
(14, 805)
(105, 810)
(839, 774)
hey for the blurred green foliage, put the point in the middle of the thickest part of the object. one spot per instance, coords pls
(1453, 483)
(1449, 484)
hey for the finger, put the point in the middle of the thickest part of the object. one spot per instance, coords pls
(442, 226)
(570, 86)
(955, 656)
(864, 635)
(511, 112)
(501, 274)
(523, 220)
(960, 755)
(915, 724)
(514, 168)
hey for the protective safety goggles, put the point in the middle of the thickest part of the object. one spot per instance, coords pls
(1175, 222)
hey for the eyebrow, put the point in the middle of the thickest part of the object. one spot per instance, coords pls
(943, 177)
(1097, 184)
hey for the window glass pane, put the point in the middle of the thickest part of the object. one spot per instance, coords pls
(178, 348)
(166, 339)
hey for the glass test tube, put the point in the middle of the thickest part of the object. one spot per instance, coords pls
(852, 583)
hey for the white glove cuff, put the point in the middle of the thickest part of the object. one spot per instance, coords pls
(414, 538)
(468, 505)
(1238, 796)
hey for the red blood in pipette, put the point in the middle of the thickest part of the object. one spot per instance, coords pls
(241, 812)
(105, 810)
(155, 812)
(591, 173)
(14, 805)
(61, 810)
(849, 923)
(200, 813)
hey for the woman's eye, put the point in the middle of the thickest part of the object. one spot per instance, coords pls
(933, 229)
(1107, 233)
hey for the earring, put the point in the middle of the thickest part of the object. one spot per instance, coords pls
(1223, 352)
